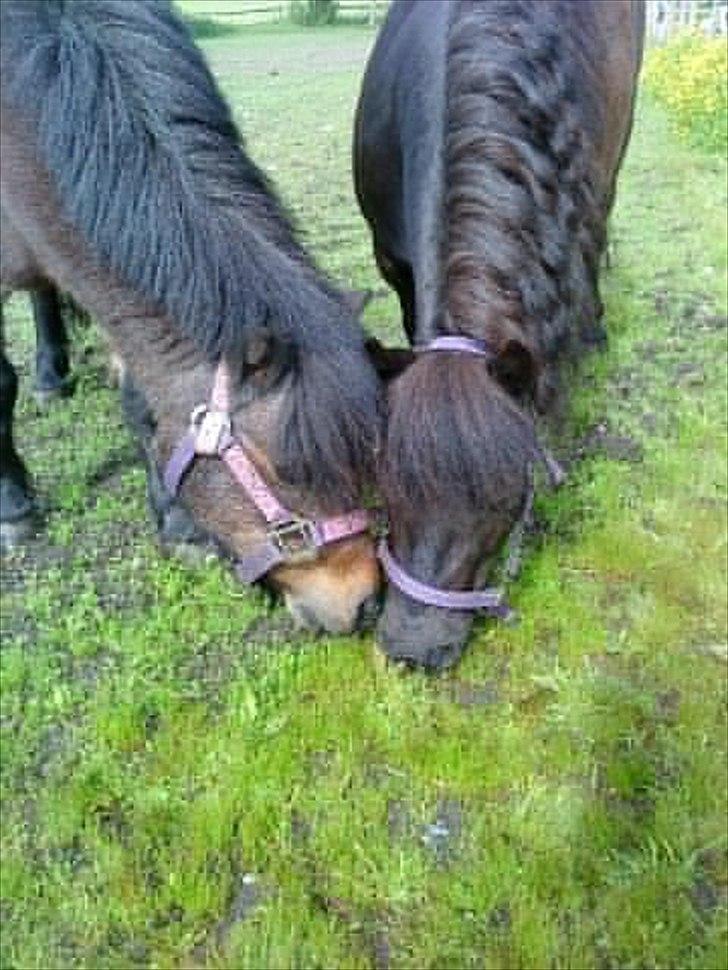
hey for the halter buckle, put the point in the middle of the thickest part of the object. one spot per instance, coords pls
(295, 540)
(211, 429)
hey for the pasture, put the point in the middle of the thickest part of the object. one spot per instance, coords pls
(189, 782)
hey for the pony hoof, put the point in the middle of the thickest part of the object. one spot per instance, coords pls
(16, 533)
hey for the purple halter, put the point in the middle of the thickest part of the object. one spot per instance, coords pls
(488, 600)
(290, 538)
(456, 344)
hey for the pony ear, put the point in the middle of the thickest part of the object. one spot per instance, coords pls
(515, 368)
(266, 357)
(388, 362)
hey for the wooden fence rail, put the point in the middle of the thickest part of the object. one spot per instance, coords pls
(371, 11)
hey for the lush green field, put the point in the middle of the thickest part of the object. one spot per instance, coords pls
(188, 783)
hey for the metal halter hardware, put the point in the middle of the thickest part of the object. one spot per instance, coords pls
(295, 539)
(488, 600)
(290, 538)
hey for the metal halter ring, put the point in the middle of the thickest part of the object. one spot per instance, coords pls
(211, 430)
(296, 539)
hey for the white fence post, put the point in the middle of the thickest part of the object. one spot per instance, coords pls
(665, 17)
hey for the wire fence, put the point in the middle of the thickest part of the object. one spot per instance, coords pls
(665, 18)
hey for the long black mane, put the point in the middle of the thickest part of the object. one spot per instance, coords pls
(524, 214)
(150, 168)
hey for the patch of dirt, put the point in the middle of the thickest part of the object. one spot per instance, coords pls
(473, 695)
(113, 465)
(209, 668)
(301, 829)
(112, 819)
(631, 388)
(208, 671)
(499, 919)
(31, 559)
(399, 820)
(318, 764)
(18, 627)
(20, 570)
(245, 897)
(599, 441)
(689, 373)
(51, 746)
(704, 897)
(442, 836)
(667, 705)
(275, 630)
(708, 893)
(688, 312)
(370, 930)
(718, 651)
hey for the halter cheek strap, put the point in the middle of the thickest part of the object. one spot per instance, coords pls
(289, 538)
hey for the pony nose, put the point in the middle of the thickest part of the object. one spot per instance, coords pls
(368, 612)
(432, 659)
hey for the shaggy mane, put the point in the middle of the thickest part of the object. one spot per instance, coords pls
(523, 220)
(523, 214)
(150, 168)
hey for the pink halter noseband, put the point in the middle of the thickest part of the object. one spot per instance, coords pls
(290, 538)
(487, 600)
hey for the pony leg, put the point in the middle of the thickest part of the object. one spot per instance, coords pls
(399, 276)
(51, 359)
(178, 534)
(17, 509)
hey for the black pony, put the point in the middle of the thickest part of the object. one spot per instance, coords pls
(487, 144)
(124, 182)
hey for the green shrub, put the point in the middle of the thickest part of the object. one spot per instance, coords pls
(689, 77)
(313, 13)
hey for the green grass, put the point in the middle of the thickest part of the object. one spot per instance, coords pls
(184, 784)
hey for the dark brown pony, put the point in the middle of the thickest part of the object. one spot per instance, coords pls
(487, 144)
(124, 183)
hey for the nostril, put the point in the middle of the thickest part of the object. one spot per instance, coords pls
(431, 660)
(368, 612)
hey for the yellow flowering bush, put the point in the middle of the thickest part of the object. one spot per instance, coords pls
(689, 76)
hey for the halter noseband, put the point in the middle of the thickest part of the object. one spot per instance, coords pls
(488, 600)
(290, 538)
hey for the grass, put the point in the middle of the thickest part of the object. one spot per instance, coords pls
(186, 783)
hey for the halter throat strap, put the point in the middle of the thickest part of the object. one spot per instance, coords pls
(290, 538)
